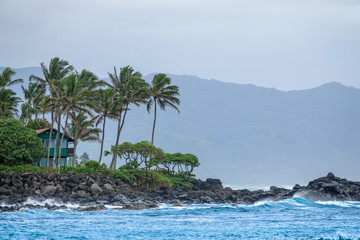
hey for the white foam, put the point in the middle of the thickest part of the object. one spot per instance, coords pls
(50, 202)
(113, 206)
(301, 194)
(254, 188)
(261, 203)
(340, 203)
(6, 205)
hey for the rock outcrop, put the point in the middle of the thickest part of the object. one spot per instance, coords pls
(95, 192)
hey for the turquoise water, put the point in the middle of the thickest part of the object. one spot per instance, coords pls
(289, 219)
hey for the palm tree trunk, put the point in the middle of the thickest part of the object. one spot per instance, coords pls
(153, 130)
(113, 161)
(73, 161)
(118, 137)
(123, 121)
(49, 144)
(56, 141)
(62, 139)
(102, 140)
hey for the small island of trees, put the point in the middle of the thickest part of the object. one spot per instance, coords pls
(78, 104)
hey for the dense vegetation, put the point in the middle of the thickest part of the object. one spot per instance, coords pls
(19, 144)
(77, 102)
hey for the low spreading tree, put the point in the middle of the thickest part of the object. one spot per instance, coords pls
(19, 144)
(178, 163)
(138, 154)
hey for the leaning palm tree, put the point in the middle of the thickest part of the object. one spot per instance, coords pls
(162, 94)
(8, 103)
(133, 90)
(82, 129)
(121, 84)
(5, 78)
(107, 103)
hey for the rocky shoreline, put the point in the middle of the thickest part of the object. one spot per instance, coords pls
(90, 192)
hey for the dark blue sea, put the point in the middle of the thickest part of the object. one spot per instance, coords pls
(291, 219)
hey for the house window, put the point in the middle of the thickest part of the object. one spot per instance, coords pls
(45, 142)
(63, 144)
(52, 145)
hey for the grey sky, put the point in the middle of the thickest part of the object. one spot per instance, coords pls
(288, 44)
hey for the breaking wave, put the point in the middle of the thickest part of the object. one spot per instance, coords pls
(289, 219)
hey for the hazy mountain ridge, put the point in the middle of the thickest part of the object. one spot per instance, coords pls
(249, 135)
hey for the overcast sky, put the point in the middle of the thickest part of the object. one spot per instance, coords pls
(289, 44)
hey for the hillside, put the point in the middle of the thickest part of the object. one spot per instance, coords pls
(252, 136)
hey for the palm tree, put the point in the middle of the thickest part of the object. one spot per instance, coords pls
(33, 95)
(88, 79)
(133, 90)
(58, 69)
(26, 112)
(107, 103)
(43, 106)
(162, 94)
(8, 103)
(5, 78)
(82, 129)
(72, 97)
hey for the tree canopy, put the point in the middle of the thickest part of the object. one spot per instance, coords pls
(137, 154)
(19, 144)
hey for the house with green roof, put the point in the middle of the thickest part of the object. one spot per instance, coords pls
(67, 148)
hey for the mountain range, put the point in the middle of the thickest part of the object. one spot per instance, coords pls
(250, 136)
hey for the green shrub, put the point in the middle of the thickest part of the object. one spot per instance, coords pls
(19, 145)
(26, 169)
(158, 180)
(79, 169)
(119, 174)
(178, 181)
(67, 169)
(92, 164)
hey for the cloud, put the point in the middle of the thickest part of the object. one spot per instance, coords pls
(283, 44)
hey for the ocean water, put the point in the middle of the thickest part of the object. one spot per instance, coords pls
(290, 219)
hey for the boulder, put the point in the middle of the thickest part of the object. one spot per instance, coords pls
(83, 186)
(48, 190)
(183, 197)
(17, 183)
(211, 184)
(206, 199)
(92, 208)
(121, 199)
(95, 189)
(50, 177)
(82, 194)
(73, 179)
(109, 187)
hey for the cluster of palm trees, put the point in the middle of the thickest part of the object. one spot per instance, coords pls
(77, 102)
